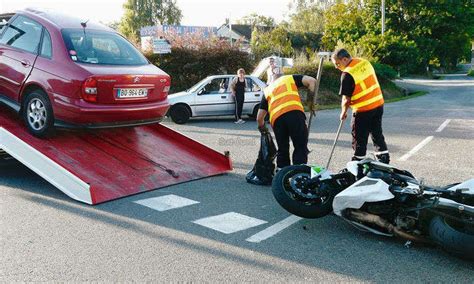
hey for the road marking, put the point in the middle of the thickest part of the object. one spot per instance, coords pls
(228, 223)
(442, 126)
(274, 229)
(416, 149)
(166, 202)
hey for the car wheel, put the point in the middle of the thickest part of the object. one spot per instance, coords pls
(180, 114)
(255, 111)
(38, 114)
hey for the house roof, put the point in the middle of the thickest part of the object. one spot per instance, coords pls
(246, 30)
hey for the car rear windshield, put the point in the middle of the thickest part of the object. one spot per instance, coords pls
(101, 48)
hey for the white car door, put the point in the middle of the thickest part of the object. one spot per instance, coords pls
(253, 95)
(214, 98)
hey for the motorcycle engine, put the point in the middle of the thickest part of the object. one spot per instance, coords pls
(405, 222)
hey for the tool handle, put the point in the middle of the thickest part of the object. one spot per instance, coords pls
(335, 142)
(316, 91)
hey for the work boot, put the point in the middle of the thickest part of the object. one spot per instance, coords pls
(383, 158)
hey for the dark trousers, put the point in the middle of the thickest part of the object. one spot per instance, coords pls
(239, 104)
(363, 124)
(291, 125)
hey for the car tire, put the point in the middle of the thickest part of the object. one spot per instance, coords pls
(38, 114)
(180, 114)
(255, 111)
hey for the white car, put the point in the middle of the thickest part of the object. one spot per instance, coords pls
(212, 97)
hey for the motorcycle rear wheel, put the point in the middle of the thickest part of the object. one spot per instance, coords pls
(454, 239)
(285, 193)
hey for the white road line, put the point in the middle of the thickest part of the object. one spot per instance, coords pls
(166, 202)
(230, 222)
(442, 126)
(416, 149)
(274, 229)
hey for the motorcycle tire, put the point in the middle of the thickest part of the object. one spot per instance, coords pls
(451, 239)
(286, 196)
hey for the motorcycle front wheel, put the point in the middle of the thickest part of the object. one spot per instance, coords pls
(454, 238)
(290, 191)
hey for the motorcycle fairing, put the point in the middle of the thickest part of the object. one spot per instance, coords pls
(364, 190)
(467, 186)
(322, 172)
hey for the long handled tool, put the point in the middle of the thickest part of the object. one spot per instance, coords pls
(335, 142)
(316, 90)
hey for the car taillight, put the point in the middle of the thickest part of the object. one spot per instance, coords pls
(89, 90)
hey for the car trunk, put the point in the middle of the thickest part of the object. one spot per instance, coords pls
(128, 84)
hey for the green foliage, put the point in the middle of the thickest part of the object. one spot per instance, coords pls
(188, 66)
(277, 41)
(471, 73)
(384, 71)
(417, 34)
(141, 13)
(394, 50)
(308, 18)
(257, 20)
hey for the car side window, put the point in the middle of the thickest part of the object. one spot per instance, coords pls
(23, 33)
(252, 86)
(46, 46)
(213, 87)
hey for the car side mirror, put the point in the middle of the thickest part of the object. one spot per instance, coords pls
(201, 91)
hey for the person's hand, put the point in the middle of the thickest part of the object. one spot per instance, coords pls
(263, 129)
(343, 115)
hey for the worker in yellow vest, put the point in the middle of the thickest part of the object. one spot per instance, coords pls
(360, 90)
(287, 117)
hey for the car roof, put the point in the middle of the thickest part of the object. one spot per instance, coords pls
(62, 21)
(227, 75)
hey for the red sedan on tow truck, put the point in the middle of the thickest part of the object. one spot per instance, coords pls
(57, 70)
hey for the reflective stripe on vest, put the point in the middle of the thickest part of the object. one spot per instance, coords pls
(367, 93)
(282, 96)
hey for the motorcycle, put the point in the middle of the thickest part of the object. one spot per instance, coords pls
(384, 200)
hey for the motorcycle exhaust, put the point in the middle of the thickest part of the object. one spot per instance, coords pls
(377, 220)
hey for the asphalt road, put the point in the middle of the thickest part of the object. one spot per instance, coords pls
(45, 236)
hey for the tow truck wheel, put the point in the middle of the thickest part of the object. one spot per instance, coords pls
(38, 114)
(179, 114)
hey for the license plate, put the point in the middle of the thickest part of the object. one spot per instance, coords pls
(132, 93)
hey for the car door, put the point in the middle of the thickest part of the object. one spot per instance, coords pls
(253, 95)
(18, 51)
(214, 98)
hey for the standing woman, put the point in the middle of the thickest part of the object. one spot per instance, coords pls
(238, 91)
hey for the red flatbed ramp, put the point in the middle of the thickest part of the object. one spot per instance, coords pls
(100, 165)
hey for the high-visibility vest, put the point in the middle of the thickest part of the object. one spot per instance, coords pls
(367, 93)
(282, 96)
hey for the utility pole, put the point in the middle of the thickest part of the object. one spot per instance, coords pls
(383, 16)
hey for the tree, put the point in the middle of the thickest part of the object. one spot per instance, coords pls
(141, 13)
(307, 18)
(257, 20)
(277, 41)
(437, 34)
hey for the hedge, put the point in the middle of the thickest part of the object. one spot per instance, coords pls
(188, 66)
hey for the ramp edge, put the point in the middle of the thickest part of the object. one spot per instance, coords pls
(62, 179)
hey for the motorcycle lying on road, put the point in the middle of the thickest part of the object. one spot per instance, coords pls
(384, 200)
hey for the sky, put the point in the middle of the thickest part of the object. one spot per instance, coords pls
(195, 12)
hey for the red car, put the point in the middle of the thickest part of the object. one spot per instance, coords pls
(60, 71)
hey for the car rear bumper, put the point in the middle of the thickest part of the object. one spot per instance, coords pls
(80, 114)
